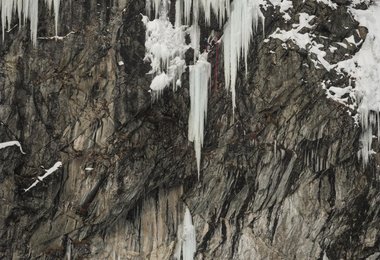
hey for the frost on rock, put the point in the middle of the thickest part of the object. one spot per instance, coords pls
(187, 244)
(364, 67)
(48, 172)
(200, 75)
(26, 10)
(11, 143)
(238, 32)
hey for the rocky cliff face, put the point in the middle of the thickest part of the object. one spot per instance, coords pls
(280, 180)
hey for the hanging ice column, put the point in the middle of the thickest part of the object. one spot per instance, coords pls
(26, 10)
(165, 43)
(200, 75)
(187, 243)
(187, 12)
(236, 40)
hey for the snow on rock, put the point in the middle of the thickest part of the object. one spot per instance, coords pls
(328, 3)
(238, 32)
(305, 40)
(344, 96)
(364, 67)
(11, 143)
(48, 172)
(284, 7)
(26, 10)
(200, 75)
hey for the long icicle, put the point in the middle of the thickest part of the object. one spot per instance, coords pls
(26, 10)
(200, 75)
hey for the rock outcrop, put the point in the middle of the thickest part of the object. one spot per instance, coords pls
(279, 180)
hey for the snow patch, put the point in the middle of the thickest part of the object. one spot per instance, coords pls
(284, 7)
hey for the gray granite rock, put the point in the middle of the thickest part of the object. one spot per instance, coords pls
(280, 180)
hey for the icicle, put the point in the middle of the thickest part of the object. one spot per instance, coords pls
(68, 249)
(33, 17)
(187, 11)
(153, 4)
(195, 34)
(56, 14)
(187, 243)
(200, 75)
(206, 6)
(178, 13)
(6, 14)
(237, 37)
(26, 10)
(19, 11)
(219, 7)
(49, 4)
(195, 12)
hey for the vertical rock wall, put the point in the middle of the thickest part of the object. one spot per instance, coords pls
(280, 181)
